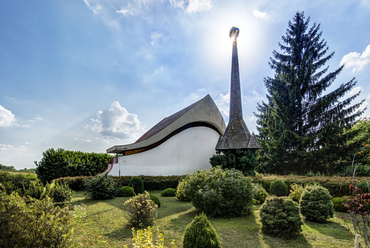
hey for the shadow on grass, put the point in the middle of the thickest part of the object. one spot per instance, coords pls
(121, 234)
(299, 241)
(331, 228)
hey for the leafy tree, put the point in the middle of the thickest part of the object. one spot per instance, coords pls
(243, 160)
(6, 168)
(301, 129)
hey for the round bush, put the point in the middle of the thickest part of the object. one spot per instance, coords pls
(101, 187)
(192, 182)
(180, 192)
(296, 192)
(316, 204)
(278, 188)
(224, 193)
(137, 184)
(338, 204)
(200, 233)
(60, 193)
(169, 192)
(141, 210)
(155, 199)
(259, 194)
(280, 217)
(125, 191)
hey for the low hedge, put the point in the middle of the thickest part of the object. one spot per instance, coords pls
(337, 186)
(150, 182)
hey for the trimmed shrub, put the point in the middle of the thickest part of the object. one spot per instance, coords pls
(141, 210)
(34, 223)
(60, 193)
(169, 192)
(259, 194)
(125, 191)
(15, 181)
(200, 233)
(180, 192)
(280, 217)
(279, 188)
(296, 192)
(156, 200)
(316, 204)
(224, 193)
(191, 183)
(338, 204)
(137, 184)
(101, 187)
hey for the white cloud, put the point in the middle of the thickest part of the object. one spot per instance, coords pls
(354, 91)
(8, 148)
(259, 14)
(356, 60)
(117, 122)
(7, 118)
(257, 96)
(155, 38)
(95, 9)
(192, 6)
(124, 12)
(223, 103)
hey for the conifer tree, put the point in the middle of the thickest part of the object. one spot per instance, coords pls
(301, 126)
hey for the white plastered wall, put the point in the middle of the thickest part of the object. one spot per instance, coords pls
(189, 150)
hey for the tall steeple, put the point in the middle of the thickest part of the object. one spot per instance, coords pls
(237, 135)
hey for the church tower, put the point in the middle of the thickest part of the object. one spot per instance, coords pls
(237, 135)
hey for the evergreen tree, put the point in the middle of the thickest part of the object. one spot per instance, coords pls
(301, 129)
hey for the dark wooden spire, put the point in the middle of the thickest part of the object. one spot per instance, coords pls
(237, 135)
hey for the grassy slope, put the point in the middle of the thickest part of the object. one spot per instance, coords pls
(106, 226)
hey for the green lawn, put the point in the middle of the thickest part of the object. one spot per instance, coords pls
(105, 226)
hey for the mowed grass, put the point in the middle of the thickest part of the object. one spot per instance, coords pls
(105, 225)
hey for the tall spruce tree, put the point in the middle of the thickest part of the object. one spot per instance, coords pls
(301, 126)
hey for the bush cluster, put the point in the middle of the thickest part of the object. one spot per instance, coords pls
(180, 191)
(141, 210)
(200, 233)
(33, 223)
(153, 182)
(278, 188)
(222, 192)
(75, 183)
(280, 217)
(169, 192)
(101, 187)
(125, 191)
(316, 204)
(337, 185)
(137, 184)
(15, 181)
(259, 194)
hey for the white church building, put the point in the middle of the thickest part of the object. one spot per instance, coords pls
(180, 143)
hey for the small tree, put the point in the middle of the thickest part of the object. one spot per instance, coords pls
(200, 233)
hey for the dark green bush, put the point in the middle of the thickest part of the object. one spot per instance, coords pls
(224, 193)
(338, 204)
(141, 210)
(155, 199)
(316, 204)
(200, 234)
(280, 217)
(60, 193)
(137, 184)
(259, 194)
(125, 191)
(169, 192)
(279, 188)
(57, 163)
(74, 183)
(34, 223)
(101, 187)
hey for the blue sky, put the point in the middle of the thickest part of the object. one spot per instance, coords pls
(89, 74)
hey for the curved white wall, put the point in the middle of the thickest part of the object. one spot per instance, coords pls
(189, 150)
